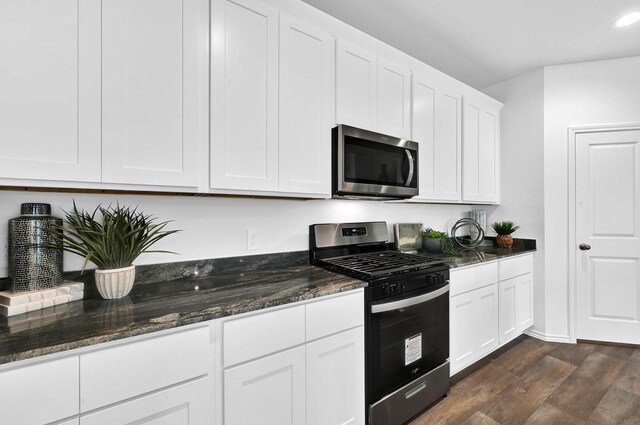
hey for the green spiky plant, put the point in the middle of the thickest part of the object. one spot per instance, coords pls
(504, 229)
(114, 243)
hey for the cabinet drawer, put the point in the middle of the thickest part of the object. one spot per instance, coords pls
(513, 267)
(334, 315)
(39, 394)
(470, 278)
(254, 336)
(119, 373)
(184, 404)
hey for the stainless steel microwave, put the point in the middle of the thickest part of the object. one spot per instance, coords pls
(369, 165)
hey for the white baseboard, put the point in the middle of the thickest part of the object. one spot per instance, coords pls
(550, 337)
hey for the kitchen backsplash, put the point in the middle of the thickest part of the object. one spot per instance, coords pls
(217, 227)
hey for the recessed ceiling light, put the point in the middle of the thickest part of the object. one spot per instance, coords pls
(628, 19)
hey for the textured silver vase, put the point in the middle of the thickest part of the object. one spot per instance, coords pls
(33, 263)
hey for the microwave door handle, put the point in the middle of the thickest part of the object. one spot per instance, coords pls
(395, 305)
(411, 170)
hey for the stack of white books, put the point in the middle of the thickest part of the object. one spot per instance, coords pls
(13, 303)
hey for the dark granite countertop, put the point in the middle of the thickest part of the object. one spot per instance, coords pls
(171, 295)
(488, 252)
(157, 306)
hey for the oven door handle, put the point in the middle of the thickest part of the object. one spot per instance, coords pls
(395, 305)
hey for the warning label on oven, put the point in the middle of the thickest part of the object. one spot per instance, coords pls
(412, 349)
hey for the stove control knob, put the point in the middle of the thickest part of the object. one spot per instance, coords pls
(386, 290)
(441, 278)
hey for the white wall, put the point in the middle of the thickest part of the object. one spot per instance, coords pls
(522, 168)
(591, 93)
(216, 227)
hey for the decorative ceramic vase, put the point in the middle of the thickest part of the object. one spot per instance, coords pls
(432, 244)
(504, 241)
(115, 283)
(33, 263)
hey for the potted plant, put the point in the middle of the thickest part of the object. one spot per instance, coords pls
(112, 245)
(432, 240)
(504, 229)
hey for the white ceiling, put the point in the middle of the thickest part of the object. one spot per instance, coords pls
(483, 42)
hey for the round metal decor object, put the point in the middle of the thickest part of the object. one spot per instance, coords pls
(33, 263)
(472, 242)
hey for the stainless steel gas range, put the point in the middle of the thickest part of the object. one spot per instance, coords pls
(406, 317)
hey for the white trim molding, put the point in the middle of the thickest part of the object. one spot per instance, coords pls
(565, 339)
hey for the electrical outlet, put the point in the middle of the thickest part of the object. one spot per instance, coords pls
(252, 239)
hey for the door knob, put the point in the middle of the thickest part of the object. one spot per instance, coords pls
(584, 247)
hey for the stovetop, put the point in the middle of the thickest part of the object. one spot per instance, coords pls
(377, 264)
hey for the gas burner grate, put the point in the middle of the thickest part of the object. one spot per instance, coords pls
(380, 263)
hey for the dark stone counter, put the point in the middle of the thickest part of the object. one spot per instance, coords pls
(488, 252)
(156, 306)
(189, 292)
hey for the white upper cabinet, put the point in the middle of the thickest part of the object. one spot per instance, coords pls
(154, 85)
(306, 100)
(50, 90)
(244, 95)
(481, 149)
(394, 99)
(372, 92)
(356, 80)
(436, 127)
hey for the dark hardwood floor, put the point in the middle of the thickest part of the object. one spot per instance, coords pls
(545, 383)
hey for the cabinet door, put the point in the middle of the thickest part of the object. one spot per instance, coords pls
(524, 302)
(154, 91)
(393, 99)
(39, 394)
(186, 404)
(306, 103)
(356, 78)
(461, 350)
(436, 127)
(268, 391)
(335, 379)
(50, 90)
(481, 151)
(486, 320)
(508, 310)
(244, 95)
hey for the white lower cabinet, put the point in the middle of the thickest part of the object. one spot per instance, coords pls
(491, 304)
(40, 394)
(474, 326)
(186, 404)
(319, 380)
(508, 315)
(335, 379)
(270, 390)
(516, 297)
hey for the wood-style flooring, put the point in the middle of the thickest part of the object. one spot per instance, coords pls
(538, 382)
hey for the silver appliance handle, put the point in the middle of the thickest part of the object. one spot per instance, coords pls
(415, 391)
(395, 305)
(411, 170)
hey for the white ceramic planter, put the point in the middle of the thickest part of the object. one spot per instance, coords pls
(115, 283)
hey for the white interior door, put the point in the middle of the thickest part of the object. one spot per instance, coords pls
(607, 235)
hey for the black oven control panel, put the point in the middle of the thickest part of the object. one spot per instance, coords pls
(406, 284)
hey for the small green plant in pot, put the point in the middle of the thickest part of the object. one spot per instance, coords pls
(504, 229)
(112, 244)
(432, 240)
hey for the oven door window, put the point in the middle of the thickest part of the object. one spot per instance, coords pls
(369, 162)
(405, 343)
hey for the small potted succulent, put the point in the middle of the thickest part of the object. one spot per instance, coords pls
(432, 240)
(504, 229)
(112, 245)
